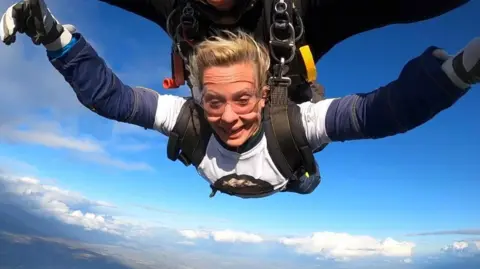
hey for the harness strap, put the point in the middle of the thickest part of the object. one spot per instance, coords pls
(188, 140)
(285, 29)
(287, 143)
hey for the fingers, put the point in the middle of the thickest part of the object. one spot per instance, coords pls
(441, 54)
(471, 59)
(70, 28)
(39, 14)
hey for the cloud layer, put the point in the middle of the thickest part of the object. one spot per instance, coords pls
(65, 208)
(343, 245)
(74, 209)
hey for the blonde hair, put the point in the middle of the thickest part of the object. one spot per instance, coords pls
(227, 48)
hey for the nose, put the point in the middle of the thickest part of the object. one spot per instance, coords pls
(229, 116)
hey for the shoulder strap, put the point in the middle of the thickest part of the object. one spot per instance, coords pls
(189, 138)
(286, 140)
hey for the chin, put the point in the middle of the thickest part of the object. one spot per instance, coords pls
(235, 140)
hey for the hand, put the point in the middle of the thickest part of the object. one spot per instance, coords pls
(33, 18)
(464, 67)
(466, 63)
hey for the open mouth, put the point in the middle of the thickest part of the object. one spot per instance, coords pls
(232, 132)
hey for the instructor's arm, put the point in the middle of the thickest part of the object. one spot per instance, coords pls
(329, 22)
(154, 10)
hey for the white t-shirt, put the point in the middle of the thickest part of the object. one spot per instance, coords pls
(256, 164)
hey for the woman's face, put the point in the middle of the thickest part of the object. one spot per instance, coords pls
(232, 102)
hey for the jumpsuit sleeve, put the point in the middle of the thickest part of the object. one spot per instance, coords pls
(329, 22)
(421, 91)
(156, 11)
(100, 90)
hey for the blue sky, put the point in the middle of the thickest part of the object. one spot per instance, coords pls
(424, 181)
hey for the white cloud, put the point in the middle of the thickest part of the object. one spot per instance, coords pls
(343, 245)
(463, 248)
(64, 205)
(49, 139)
(193, 234)
(337, 246)
(222, 236)
(235, 236)
(229, 236)
(51, 134)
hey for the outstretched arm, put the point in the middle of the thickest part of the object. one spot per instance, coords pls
(426, 86)
(154, 10)
(99, 89)
(329, 22)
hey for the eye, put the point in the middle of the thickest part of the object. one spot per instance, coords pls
(214, 103)
(243, 101)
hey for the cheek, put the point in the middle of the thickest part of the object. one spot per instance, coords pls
(213, 120)
(252, 119)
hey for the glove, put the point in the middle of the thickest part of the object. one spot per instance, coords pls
(463, 68)
(33, 18)
(466, 64)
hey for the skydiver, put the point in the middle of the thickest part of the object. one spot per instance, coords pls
(318, 25)
(229, 129)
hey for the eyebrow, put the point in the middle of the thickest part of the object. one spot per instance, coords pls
(238, 94)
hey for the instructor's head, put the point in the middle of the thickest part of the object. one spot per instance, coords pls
(224, 12)
(226, 5)
(230, 73)
(223, 5)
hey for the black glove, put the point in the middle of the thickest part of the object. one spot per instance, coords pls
(32, 18)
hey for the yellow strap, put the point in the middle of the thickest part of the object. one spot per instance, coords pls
(309, 63)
